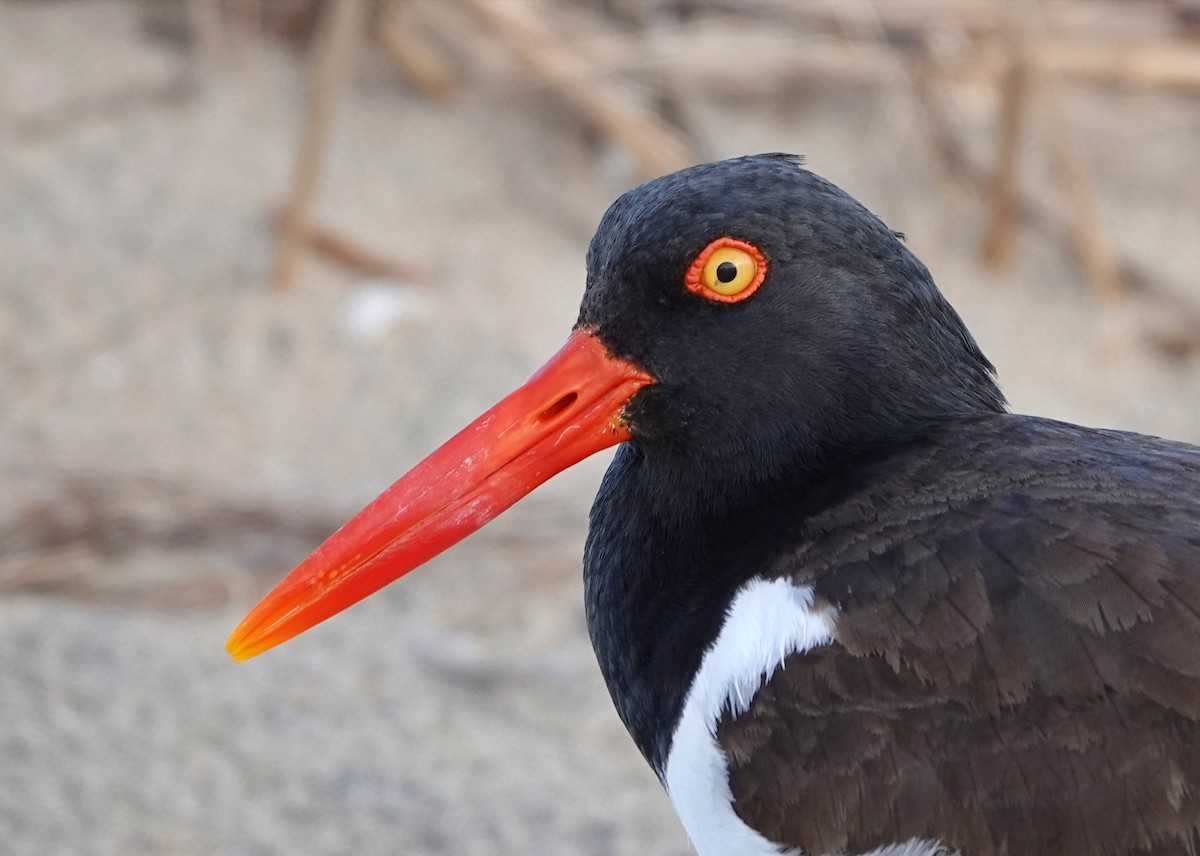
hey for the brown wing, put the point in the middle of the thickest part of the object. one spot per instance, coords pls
(1017, 664)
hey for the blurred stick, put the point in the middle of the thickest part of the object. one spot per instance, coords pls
(349, 253)
(1092, 245)
(250, 18)
(909, 17)
(684, 53)
(1161, 64)
(656, 146)
(400, 35)
(927, 78)
(52, 568)
(337, 45)
(1093, 249)
(1000, 237)
(668, 97)
(1179, 339)
(1090, 23)
(248, 27)
(82, 533)
(204, 18)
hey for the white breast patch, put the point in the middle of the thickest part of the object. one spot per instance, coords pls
(913, 847)
(767, 621)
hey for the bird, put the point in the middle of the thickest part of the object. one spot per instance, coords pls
(844, 601)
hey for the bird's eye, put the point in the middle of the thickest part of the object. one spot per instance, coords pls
(727, 270)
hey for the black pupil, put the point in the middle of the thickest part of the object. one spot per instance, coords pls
(726, 271)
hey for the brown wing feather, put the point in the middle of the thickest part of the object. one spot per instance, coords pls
(1017, 664)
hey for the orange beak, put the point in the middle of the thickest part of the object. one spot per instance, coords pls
(568, 410)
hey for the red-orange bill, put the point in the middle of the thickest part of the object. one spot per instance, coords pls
(568, 410)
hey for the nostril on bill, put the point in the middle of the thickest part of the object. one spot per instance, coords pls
(559, 406)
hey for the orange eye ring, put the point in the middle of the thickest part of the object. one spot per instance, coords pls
(727, 270)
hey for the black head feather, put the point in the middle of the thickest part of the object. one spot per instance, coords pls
(847, 345)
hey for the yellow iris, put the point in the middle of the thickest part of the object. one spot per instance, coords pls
(726, 271)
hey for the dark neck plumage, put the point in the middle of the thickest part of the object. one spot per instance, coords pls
(662, 562)
(670, 542)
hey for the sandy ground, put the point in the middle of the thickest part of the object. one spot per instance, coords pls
(174, 435)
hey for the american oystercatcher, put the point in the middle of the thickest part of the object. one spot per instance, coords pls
(844, 602)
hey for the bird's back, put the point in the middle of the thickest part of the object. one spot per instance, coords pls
(1015, 662)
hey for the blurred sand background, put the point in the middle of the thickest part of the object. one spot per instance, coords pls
(176, 431)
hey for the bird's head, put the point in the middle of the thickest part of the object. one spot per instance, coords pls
(778, 316)
(745, 318)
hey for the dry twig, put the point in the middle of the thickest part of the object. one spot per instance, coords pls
(348, 252)
(656, 147)
(338, 44)
(1000, 237)
(399, 33)
(77, 533)
(1088, 234)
